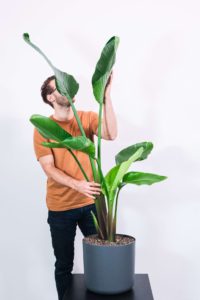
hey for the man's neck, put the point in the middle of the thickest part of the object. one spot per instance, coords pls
(63, 114)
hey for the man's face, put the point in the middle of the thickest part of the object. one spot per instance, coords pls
(58, 98)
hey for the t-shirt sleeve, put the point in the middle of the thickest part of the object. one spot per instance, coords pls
(39, 149)
(93, 124)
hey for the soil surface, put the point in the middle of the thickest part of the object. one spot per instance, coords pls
(121, 239)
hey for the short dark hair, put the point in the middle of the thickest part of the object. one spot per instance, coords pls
(46, 89)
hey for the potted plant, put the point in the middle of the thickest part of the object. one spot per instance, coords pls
(109, 258)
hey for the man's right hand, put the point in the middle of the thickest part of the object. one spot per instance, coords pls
(88, 188)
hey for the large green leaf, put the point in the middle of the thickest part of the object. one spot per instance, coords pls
(79, 143)
(124, 154)
(104, 68)
(65, 83)
(140, 178)
(49, 129)
(115, 175)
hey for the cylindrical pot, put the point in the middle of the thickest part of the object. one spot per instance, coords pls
(109, 269)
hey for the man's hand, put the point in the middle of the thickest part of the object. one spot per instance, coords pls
(108, 87)
(82, 186)
(88, 188)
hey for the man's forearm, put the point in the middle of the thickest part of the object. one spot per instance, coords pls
(60, 177)
(109, 119)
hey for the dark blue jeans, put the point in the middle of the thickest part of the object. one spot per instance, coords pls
(63, 230)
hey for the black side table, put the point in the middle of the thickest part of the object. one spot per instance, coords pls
(78, 290)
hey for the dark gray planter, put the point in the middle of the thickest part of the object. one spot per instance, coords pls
(109, 269)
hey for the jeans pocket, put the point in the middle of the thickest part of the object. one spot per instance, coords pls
(56, 218)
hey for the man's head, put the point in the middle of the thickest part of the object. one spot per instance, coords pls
(50, 94)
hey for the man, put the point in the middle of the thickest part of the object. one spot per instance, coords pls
(69, 196)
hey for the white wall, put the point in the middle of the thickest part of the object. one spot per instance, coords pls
(156, 98)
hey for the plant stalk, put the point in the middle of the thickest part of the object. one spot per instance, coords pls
(115, 213)
(79, 164)
(102, 178)
(94, 171)
(99, 134)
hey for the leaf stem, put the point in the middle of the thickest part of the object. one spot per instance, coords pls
(115, 213)
(79, 164)
(102, 178)
(83, 133)
(99, 134)
(40, 51)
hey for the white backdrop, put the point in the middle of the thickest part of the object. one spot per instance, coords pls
(155, 95)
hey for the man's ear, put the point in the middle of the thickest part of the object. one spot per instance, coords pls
(50, 98)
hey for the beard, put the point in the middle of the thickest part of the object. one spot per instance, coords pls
(63, 101)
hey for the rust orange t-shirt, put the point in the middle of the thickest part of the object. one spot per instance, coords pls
(60, 197)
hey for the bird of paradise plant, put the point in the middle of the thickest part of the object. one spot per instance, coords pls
(111, 184)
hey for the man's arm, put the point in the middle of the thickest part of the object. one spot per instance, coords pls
(88, 188)
(109, 124)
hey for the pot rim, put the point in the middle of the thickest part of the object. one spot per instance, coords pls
(110, 245)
